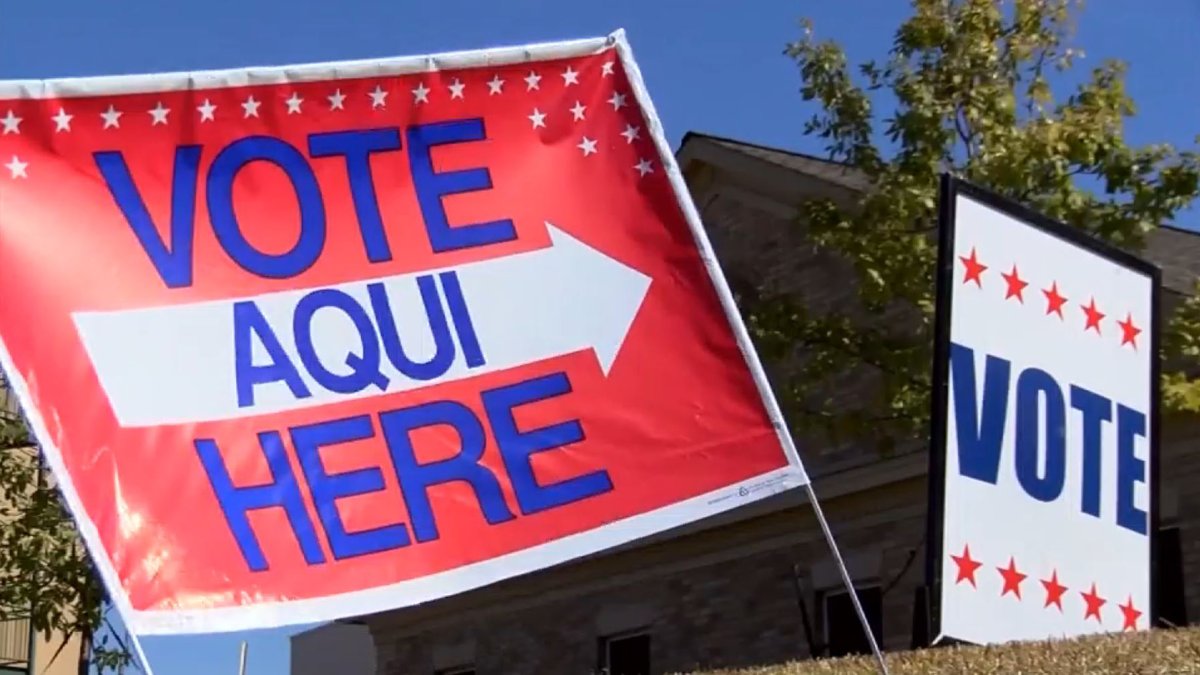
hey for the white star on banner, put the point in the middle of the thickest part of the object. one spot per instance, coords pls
(421, 93)
(293, 104)
(531, 81)
(587, 145)
(12, 123)
(538, 118)
(495, 85)
(644, 167)
(378, 97)
(631, 133)
(112, 117)
(578, 110)
(207, 111)
(606, 69)
(456, 88)
(570, 77)
(336, 99)
(617, 100)
(17, 168)
(62, 121)
(251, 107)
(159, 113)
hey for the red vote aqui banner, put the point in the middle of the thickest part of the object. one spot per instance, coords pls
(308, 342)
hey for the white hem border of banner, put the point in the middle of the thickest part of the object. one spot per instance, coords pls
(405, 594)
(226, 619)
(154, 83)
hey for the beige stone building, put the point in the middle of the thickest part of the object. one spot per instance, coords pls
(41, 656)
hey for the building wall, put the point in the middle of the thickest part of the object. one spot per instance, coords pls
(14, 644)
(341, 648)
(66, 663)
(729, 596)
(47, 657)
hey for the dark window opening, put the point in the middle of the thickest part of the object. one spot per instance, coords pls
(1170, 599)
(920, 619)
(625, 654)
(843, 631)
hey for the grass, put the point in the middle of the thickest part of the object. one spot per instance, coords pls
(1143, 653)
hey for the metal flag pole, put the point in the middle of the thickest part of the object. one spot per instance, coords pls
(671, 168)
(242, 660)
(841, 565)
(141, 653)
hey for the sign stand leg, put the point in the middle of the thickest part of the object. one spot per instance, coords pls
(841, 565)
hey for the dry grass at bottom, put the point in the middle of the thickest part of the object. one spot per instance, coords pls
(1146, 652)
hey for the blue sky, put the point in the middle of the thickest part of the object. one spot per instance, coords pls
(710, 66)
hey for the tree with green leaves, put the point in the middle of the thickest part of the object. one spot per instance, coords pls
(46, 575)
(967, 89)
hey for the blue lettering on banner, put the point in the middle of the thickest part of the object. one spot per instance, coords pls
(364, 367)
(445, 312)
(462, 319)
(1038, 393)
(357, 147)
(443, 344)
(311, 240)
(518, 447)
(1096, 410)
(173, 263)
(249, 323)
(282, 492)
(1130, 469)
(979, 433)
(416, 478)
(377, 331)
(431, 186)
(326, 488)
(172, 257)
(1040, 442)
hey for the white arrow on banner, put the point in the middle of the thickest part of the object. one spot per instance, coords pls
(177, 363)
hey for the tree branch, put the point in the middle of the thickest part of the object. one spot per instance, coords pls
(966, 135)
(121, 643)
(861, 355)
